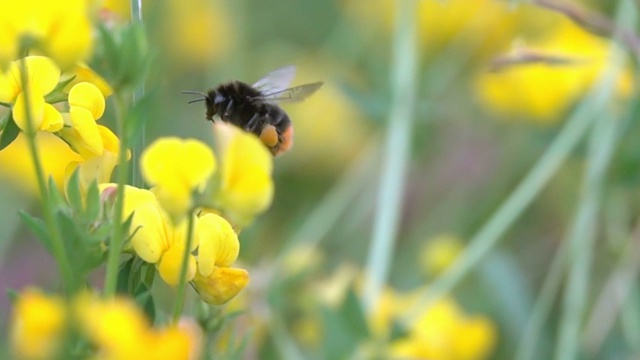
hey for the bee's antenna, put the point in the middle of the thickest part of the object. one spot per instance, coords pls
(194, 93)
(196, 100)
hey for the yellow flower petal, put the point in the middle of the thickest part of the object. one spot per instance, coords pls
(219, 245)
(72, 41)
(83, 122)
(177, 168)
(88, 96)
(52, 120)
(9, 86)
(36, 110)
(222, 285)
(246, 187)
(148, 227)
(171, 263)
(42, 73)
(187, 161)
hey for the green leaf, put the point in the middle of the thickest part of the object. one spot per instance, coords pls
(9, 133)
(354, 316)
(4, 121)
(93, 201)
(56, 199)
(38, 227)
(12, 294)
(124, 272)
(145, 300)
(58, 94)
(74, 193)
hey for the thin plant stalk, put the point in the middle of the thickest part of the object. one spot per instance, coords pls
(117, 234)
(396, 151)
(136, 17)
(57, 244)
(544, 302)
(524, 194)
(184, 266)
(602, 144)
(581, 244)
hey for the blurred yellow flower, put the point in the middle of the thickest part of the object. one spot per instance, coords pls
(216, 281)
(481, 25)
(177, 168)
(55, 155)
(442, 332)
(189, 33)
(60, 29)
(119, 330)
(246, 188)
(37, 325)
(543, 91)
(440, 252)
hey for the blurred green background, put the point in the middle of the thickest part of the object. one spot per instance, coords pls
(475, 135)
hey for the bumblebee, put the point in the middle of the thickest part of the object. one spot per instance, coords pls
(254, 108)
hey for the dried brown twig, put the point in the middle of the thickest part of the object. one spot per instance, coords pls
(594, 22)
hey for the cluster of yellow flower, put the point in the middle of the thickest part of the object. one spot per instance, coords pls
(113, 328)
(182, 225)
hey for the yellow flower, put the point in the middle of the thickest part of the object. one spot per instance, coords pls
(246, 188)
(524, 90)
(94, 167)
(440, 252)
(177, 168)
(119, 330)
(156, 239)
(37, 326)
(42, 77)
(216, 281)
(60, 29)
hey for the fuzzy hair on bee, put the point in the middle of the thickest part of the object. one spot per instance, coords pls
(255, 108)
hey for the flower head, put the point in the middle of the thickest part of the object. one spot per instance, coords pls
(246, 187)
(177, 168)
(216, 281)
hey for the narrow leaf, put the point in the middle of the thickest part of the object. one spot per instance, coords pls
(9, 133)
(38, 227)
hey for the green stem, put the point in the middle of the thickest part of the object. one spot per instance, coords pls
(182, 283)
(117, 234)
(138, 145)
(544, 303)
(391, 190)
(581, 243)
(57, 244)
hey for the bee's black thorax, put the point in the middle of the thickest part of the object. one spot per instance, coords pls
(235, 102)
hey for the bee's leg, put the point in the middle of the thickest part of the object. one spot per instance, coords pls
(252, 123)
(227, 111)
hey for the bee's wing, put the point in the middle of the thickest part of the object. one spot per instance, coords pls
(277, 80)
(296, 93)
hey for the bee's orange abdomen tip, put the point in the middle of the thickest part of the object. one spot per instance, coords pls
(287, 140)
